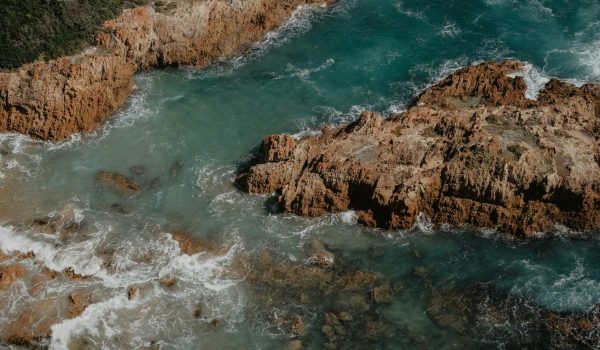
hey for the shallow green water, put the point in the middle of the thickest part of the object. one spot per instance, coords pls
(325, 66)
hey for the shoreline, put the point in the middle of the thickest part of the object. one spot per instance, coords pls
(56, 99)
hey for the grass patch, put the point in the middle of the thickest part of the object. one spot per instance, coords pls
(47, 29)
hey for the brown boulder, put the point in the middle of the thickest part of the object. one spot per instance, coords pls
(10, 274)
(132, 292)
(32, 325)
(79, 303)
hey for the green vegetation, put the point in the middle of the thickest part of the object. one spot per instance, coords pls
(46, 29)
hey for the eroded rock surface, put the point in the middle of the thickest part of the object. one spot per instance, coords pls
(10, 274)
(53, 100)
(471, 150)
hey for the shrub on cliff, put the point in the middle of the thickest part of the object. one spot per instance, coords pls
(46, 29)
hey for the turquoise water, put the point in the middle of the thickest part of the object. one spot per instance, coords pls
(324, 66)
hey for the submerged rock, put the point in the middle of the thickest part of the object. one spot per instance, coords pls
(73, 276)
(168, 281)
(117, 182)
(492, 316)
(175, 169)
(137, 170)
(321, 256)
(33, 324)
(39, 282)
(190, 245)
(471, 150)
(63, 224)
(331, 298)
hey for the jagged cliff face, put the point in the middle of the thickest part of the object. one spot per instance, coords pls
(53, 100)
(472, 150)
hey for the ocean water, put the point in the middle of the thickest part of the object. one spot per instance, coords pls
(189, 130)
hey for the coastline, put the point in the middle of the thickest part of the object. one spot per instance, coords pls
(56, 99)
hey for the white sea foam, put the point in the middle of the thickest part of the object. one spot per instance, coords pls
(450, 30)
(534, 79)
(137, 107)
(436, 72)
(212, 179)
(424, 224)
(77, 256)
(203, 269)
(400, 7)
(575, 289)
(308, 125)
(348, 217)
(397, 108)
(590, 58)
(304, 73)
(307, 133)
(538, 9)
(94, 321)
(200, 275)
(299, 23)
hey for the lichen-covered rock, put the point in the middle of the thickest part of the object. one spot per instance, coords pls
(472, 150)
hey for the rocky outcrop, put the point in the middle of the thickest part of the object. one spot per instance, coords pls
(10, 274)
(471, 150)
(52, 100)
